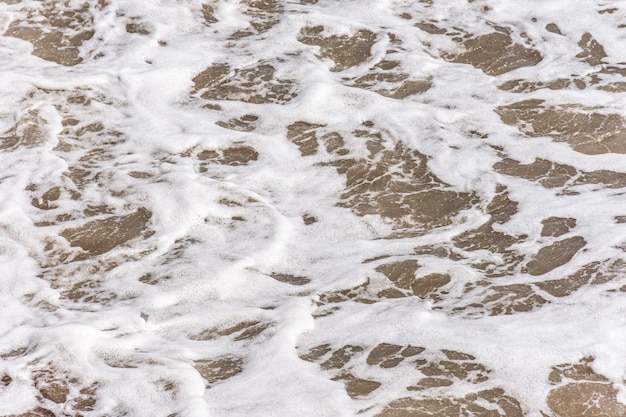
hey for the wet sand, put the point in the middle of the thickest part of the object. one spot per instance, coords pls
(456, 222)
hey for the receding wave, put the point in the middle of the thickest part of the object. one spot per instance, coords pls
(312, 208)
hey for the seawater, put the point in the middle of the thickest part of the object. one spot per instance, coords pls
(384, 208)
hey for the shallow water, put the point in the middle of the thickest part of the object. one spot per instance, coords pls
(315, 208)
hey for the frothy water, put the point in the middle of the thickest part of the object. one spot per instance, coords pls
(312, 208)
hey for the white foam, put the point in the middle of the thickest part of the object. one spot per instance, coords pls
(221, 231)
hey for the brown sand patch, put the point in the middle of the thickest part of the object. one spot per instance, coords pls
(487, 403)
(616, 87)
(211, 76)
(547, 173)
(589, 132)
(57, 386)
(316, 353)
(138, 27)
(552, 175)
(290, 279)
(248, 332)
(57, 29)
(304, 136)
(511, 299)
(238, 155)
(403, 276)
(37, 412)
(606, 178)
(388, 355)
(28, 131)
(208, 13)
(141, 174)
(440, 251)
(265, 13)
(345, 51)
(85, 401)
(356, 387)
(245, 123)
(176, 253)
(54, 393)
(341, 363)
(88, 291)
(458, 356)
(431, 28)
(387, 79)
(47, 199)
(586, 399)
(606, 78)
(245, 330)
(594, 273)
(500, 209)
(429, 285)
(440, 369)
(409, 195)
(582, 392)
(495, 54)
(578, 372)
(592, 51)
(565, 286)
(393, 181)
(83, 277)
(255, 84)
(341, 357)
(14, 353)
(308, 137)
(220, 369)
(100, 236)
(401, 273)
(557, 226)
(362, 293)
(555, 255)
(367, 292)
(469, 371)
(526, 86)
(426, 383)
(552, 27)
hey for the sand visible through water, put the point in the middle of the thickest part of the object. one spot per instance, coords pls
(312, 208)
